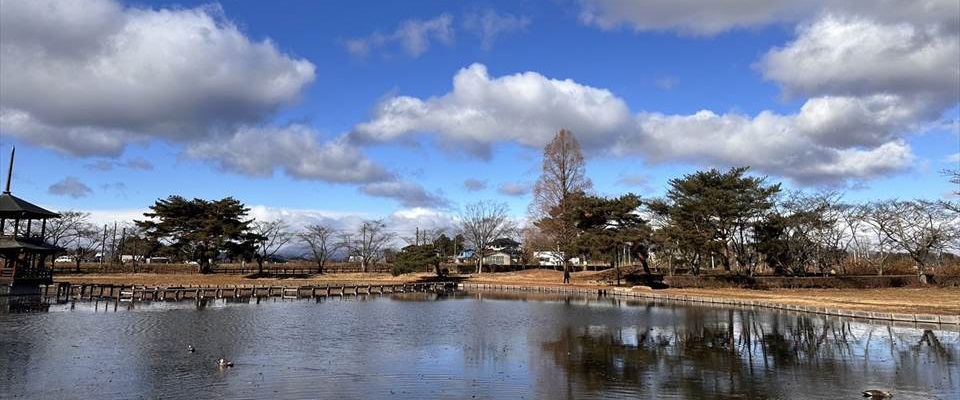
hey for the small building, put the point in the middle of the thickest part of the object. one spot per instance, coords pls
(549, 258)
(506, 245)
(493, 257)
(465, 256)
(25, 256)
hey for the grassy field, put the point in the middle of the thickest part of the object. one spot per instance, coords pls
(931, 300)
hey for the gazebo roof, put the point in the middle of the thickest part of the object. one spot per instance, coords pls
(14, 207)
(10, 243)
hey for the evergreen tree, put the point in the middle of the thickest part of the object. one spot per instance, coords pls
(200, 229)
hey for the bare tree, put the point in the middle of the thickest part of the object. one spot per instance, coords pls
(483, 222)
(879, 244)
(319, 239)
(953, 204)
(65, 231)
(564, 173)
(89, 239)
(270, 237)
(917, 227)
(563, 176)
(367, 244)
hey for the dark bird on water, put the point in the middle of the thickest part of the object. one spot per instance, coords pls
(877, 394)
(224, 363)
(190, 348)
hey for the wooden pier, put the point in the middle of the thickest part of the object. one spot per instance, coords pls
(65, 291)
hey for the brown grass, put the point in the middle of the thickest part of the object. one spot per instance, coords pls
(930, 300)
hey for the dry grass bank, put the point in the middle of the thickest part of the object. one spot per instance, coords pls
(929, 300)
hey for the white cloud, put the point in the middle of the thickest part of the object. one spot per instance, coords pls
(70, 186)
(816, 144)
(409, 194)
(952, 159)
(415, 36)
(294, 149)
(515, 189)
(695, 17)
(489, 25)
(527, 108)
(853, 56)
(88, 78)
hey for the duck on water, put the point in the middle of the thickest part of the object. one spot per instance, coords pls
(877, 394)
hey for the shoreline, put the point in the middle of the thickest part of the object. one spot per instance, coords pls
(917, 301)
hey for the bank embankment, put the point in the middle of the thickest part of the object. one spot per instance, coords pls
(904, 300)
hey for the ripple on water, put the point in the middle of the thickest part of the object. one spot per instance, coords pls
(460, 347)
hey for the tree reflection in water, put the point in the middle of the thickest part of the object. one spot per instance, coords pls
(728, 353)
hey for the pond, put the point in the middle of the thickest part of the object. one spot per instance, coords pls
(464, 345)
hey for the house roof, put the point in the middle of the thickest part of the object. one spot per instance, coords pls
(505, 242)
(36, 246)
(13, 207)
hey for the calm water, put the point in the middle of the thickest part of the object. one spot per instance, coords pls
(467, 345)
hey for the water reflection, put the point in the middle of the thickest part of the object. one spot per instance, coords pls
(738, 353)
(460, 345)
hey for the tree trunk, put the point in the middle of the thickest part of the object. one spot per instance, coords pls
(479, 265)
(259, 265)
(319, 266)
(77, 260)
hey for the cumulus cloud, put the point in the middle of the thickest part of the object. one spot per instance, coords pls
(415, 36)
(88, 78)
(295, 149)
(710, 18)
(489, 25)
(515, 189)
(474, 185)
(527, 108)
(769, 142)
(409, 194)
(70, 186)
(830, 139)
(853, 56)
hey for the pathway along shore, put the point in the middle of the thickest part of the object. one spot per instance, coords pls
(927, 300)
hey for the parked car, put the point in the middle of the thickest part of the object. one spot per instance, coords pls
(63, 259)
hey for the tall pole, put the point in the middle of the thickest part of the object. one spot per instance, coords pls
(103, 245)
(13, 153)
(113, 244)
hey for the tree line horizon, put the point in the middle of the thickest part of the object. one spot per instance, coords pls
(714, 219)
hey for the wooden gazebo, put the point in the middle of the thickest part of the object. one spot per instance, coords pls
(24, 252)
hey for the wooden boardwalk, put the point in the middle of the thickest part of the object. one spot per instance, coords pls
(65, 291)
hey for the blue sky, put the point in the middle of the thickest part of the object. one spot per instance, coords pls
(348, 110)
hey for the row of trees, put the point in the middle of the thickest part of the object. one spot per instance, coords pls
(709, 219)
(733, 221)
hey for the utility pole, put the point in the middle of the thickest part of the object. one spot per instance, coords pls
(113, 244)
(103, 246)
